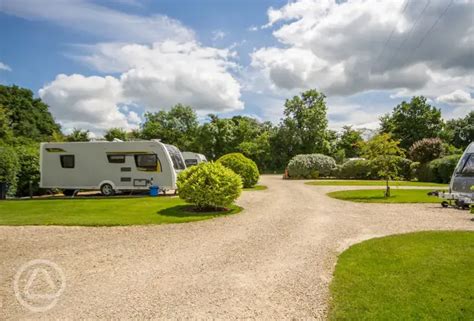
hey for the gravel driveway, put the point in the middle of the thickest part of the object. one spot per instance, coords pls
(273, 260)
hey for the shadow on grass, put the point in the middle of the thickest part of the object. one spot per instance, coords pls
(187, 211)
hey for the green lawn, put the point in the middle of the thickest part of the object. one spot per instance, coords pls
(102, 212)
(377, 196)
(371, 183)
(417, 276)
(256, 188)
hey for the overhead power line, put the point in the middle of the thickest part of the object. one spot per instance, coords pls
(433, 26)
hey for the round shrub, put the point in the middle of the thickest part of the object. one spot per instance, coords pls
(209, 186)
(311, 166)
(357, 169)
(439, 170)
(243, 166)
(9, 168)
(426, 150)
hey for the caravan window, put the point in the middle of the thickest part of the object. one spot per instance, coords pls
(117, 159)
(191, 162)
(67, 161)
(468, 168)
(147, 162)
(176, 157)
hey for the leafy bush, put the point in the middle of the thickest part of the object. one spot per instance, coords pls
(404, 168)
(9, 168)
(311, 166)
(356, 169)
(439, 170)
(243, 166)
(209, 185)
(28, 159)
(426, 150)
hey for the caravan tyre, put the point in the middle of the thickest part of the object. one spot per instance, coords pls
(107, 190)
(68, 192)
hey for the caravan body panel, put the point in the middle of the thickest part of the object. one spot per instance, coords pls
(192, 158)
(124, 165)
(463, 176)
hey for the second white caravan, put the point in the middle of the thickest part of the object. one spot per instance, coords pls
(191, 158)
(109, 166)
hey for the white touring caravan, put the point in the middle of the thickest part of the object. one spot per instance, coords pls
(191, 158)
(461, 182)
(109, 166)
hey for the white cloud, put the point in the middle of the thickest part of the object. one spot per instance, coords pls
(99, 20)
(4, 67)
(457, 97)
(218, 34)
(338, 47)
(154, 76)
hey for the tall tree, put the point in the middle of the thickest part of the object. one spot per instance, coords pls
(178, 127)
(27, 116)
(113, 133)
(5, 131)
(413, 121)
(216, 137)
(460, 132)
(78, 135)
(305, 119)
(349, 141)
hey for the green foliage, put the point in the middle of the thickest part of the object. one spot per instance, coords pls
(28, 159)
(357, 169)
(209, 185)
(350, 141)
(380, 145)
(311, 166)
(177, 127)
(27, 116)
(113, 133)
(9, 168)
(5, 131)
(439, 170)
(460, 132)
(413, 121)
(78, 135)
(305, 123)
(404, 166)
(242, 166)
(426, 150)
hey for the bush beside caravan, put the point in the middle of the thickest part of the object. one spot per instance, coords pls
(109, 166)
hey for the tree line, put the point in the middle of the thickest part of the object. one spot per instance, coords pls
(25, 121)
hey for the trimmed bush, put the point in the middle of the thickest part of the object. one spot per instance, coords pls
(404, 168)
(209, 186)
(356, 169)
(9, 168)
(243, 166)
(439, 170)
(311, 166)
(28, 159)
(426, 150)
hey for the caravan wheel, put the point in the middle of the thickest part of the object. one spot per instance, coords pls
(107, 190)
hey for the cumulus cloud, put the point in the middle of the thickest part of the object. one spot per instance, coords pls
(4, 67)
(343, 48)
(154, 76)
(457, 97)
(99, 20)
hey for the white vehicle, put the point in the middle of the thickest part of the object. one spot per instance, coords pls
(109, 166)
(191, 158)
(461, 182)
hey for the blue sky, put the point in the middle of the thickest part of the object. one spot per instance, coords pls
(100, 64)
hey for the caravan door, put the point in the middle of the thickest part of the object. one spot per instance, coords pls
(463, 177)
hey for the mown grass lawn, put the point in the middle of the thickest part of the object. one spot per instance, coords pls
(256, 188)
(371, 183)
(102, 212)
(377, 196)
(417, 276)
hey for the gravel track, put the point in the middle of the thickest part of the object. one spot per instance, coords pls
(273, 260)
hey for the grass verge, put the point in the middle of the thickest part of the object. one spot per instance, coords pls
(377, 196)
(371, 183)
(416, 276)
(103, 212)
(256, 188)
